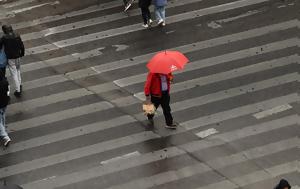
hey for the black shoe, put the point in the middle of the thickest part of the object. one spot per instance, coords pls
(172, 126)
(17, 94)
(21, 88)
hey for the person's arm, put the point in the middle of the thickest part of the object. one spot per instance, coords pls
(21, 45)
(147, 89)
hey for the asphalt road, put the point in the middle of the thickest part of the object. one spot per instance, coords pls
(79, 122)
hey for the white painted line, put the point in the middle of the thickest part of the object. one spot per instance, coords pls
(143, 58)
(206, 133)
(200, 168)
(229, 93)
(76, 154)
(58, 116)
(34, 7)
(272, 111)
(92, 9)
(127, 163)
(240, 111)
(67, 134)
(212, 61)
(46, 100)
(17, 3)
(206, 80)
(93, 22)
(45, 81)
(119, 158)
(136, 27)
(191, 47)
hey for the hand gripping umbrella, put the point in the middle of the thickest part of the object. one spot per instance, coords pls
(166, 62)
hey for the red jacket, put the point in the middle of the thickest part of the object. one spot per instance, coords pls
(153, 84)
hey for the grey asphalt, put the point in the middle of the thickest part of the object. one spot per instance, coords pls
(79, 122)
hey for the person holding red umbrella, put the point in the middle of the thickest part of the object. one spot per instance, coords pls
(157, 86)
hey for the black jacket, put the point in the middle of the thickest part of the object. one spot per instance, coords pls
(4, 93)
(144, 3)
(13, 45)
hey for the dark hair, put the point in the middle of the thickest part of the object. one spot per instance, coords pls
(283, 184)
(7, 29)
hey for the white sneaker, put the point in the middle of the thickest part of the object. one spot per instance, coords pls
(150, 22)
(160, 22)
(163, 24)
(6, 142)
(145, 25)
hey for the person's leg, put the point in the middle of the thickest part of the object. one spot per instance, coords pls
(157, 13)
(3, 133)
(14, 73)
(2, 72)
(156, 102)
(148, 15)
(163, 13)
(18, 66)
(125, 2)
(144, 15)
(165, 104)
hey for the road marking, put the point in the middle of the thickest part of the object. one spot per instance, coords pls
(58, 116)
(178, 106)
(44, 20)
(93, 22)
(201, 168)
(214, 78)
(272, 111)
(136, 27)
(240, 111)
(119, 158)
(46, 100)
(128, 163)
(213, 61)
(77, 153)
(68, 134)
(143, 58)
(206, 133)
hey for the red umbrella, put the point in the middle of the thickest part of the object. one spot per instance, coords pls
(167, 61)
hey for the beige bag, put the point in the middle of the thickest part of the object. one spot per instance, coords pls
(149, 109)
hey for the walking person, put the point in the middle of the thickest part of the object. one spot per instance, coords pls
(4, 96)
(144, 5)
(157, 91)
(160, 11)
(14, 50)
(283, 184)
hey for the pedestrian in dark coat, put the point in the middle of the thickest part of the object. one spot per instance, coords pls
(283, 184)
(157, 91)
(14, 50)
(144, 5)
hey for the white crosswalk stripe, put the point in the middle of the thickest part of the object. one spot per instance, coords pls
(236, 101)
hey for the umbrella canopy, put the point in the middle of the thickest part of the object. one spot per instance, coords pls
(166, 62)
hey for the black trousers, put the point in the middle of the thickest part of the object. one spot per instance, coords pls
(164, 101)
(146, 14)
(2, 72)
(125, 2)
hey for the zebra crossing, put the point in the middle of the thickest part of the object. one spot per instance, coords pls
(79, 123)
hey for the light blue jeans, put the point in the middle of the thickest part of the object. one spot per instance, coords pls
(3, 133)
(160, 13)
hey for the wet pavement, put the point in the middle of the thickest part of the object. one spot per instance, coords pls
(79, 123)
